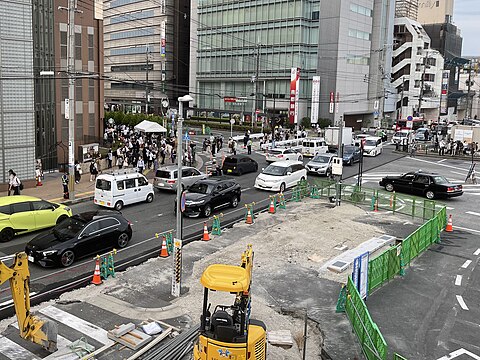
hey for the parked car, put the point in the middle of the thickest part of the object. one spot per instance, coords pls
(21, 214)
(166, 177)
(206, 196)
(399, 136)
(420, 183)
(420, 134)
(279, 154)
(351, 154)
(83, 234)
(239, 165)
(320, 164)
(281, 175)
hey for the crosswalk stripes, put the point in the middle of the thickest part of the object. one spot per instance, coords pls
(14, 351)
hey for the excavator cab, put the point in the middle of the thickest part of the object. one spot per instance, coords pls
(230, 333)
(38, 330)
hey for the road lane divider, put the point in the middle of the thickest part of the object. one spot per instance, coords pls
(461, 302)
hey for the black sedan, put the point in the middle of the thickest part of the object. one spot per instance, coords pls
(351, 154)
(420, 183)
(205, 196)
(239, 164)
(78, 236)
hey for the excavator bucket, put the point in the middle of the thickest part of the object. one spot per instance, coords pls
(44, 332)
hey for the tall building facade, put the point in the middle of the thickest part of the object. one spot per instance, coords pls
(147, 46)
(239, 40)
(406, 8)
(354, 61)
(17, 120)
(89, 93)
(435, 11)
(417, 71)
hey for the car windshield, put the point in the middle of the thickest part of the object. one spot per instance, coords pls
(371, 142)
(400, 134)
(348, 150)
(200, 188)
(103, 184)
(68, 228)
(274, 170)
(275, 152)
(441, 180)
(321, 159)
(163, 174)
(230, 160)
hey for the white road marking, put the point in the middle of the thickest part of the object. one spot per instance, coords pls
(458, 280)
(89, 329)
(466, 264)
(459, 352)
(13, 351)
(467, 229)
(160, 215)
(245, 189)
(435, 163)
(8, 302)
(472, 213)
(461, 302)
(477, 252)
(440, 161)
(458, 173)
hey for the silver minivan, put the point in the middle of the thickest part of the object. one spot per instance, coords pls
(166, 177)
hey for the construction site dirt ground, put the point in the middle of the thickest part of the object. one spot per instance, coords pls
(290, 249)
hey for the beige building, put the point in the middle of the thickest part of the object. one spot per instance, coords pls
(434, 11)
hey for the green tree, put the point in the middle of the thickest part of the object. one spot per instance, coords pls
(306, 123)
(323, 123)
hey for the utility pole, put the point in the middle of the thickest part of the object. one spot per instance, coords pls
(254, 80)
(70, 102)
(468, 112)
(338, 184)
(147, 88)
(422, 83)
(401, 102)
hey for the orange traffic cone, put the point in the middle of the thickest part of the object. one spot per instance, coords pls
(449, 227)
(206, 236)
(97, 280)
(164, 251)
(271, 209)
(39, 181)
(249, 219)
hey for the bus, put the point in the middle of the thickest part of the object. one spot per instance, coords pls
(410, 124)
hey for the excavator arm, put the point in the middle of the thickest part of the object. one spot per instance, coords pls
(33, 328)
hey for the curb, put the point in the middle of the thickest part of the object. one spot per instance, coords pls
(77, 201)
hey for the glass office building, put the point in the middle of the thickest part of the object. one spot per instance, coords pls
(284, 34)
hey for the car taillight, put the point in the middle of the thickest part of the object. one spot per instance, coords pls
(450, 189)
(171, 181)
(460, 187)
(129, 222)
(280, 155)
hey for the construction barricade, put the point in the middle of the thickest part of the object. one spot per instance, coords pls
(216, 228)
(249, 215)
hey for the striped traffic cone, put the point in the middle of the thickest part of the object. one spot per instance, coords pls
(206, 236)
(271, 209)
(449, 227)
(249, 219)
(164, 251)
(97, 279)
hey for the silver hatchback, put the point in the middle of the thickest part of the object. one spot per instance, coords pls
(166, 177)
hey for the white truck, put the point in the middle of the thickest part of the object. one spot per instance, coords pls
(331, 136)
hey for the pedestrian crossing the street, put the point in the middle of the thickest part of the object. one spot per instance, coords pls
(70, 329)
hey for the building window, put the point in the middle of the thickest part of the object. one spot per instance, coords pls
(78, 46)
(91, 89)
(131, 16)
(132, 50)
(63, 44)
(315, 15)
(78, 90)
(90, 47)
(91, 124)
(358, 60)
(437, 4)
(429, 77)
(359, 34)
(78, 127)
(127, 85)
(132, 68)
(117, 3)
(132, 33)
(64, 85)
(362, 10)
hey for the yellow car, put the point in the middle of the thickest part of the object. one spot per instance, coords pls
(21, 214)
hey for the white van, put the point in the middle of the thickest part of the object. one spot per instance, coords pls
(117, 190)
(373, 146)
(314, 146)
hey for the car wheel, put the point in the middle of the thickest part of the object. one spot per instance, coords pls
(283, 186)
(149, 198)
(328, 173)
(119, 205)
(430, 195)
(256, 168)
(67, 258)
(302, 179)
(240, 172)
(6, 235)
(300, 158)
(234, 202)
(389, 187)
(61, 218)
(207, 210)
(122, 240)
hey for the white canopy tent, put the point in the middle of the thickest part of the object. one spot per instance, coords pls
(150, 127)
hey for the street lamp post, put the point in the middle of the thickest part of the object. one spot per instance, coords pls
(181, 100)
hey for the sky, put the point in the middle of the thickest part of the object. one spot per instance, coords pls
(466, 15)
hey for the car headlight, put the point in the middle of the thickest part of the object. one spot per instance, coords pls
(197, 202)
(49, 252)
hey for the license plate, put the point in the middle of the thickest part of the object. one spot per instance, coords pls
(30, 258)
(229, 170)
(102, 202)
(161, 184)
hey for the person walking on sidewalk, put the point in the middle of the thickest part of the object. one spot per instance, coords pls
(65, 180)
(110, 158)
(77, 172)
(249, 146)
(93, 170)
(13, 183)
(473, 177)
(140, 165)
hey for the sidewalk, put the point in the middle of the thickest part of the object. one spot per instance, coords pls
(52, 189)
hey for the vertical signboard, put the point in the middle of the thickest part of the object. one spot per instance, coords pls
(444, 93)
(360, 274)
(332, 102)
(315, 99)
(294, 94)
(161, 5)
(162, 39)
(337, 103)
(177, 268)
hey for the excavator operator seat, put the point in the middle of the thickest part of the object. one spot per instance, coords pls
(223, 326)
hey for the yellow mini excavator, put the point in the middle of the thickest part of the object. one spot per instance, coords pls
(33, 328)
(229, 333)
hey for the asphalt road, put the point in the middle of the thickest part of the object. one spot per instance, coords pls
(147, 220)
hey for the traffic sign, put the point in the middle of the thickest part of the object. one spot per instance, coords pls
(232, 121)
(186, 137)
